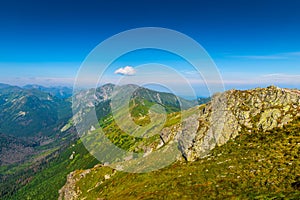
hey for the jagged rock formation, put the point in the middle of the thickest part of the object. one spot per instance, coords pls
(69, 190)
(228, 113)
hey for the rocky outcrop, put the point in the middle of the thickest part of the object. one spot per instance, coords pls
(230, 112)
(71, 191)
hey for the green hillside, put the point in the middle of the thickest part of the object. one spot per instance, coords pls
(54, 162)
(31, 112)
(253, 166)
(260, 162)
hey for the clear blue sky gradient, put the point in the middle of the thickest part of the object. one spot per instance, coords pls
(253, 42)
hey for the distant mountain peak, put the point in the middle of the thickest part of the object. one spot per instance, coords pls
(57, 91)
(3, 85)
(43, 111)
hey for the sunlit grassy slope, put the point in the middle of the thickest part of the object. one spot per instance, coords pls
(55, 172)
(257, 165)
(253, 166)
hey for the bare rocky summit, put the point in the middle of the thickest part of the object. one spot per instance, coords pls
(230, 112)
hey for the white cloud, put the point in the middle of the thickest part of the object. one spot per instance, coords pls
(297, 53)
(286, 77)
(45, 81)
(126, 71)
(286, 55)
(261, 57)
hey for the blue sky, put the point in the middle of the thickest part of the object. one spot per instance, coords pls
(253, 43)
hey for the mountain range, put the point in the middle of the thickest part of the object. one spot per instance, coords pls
(246, 145)
(37, 122)
(236, 144)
